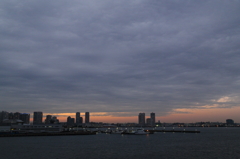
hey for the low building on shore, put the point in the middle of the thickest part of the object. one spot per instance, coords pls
(5, 128)
(38, 128)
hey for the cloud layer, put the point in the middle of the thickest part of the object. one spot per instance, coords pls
(119, 56)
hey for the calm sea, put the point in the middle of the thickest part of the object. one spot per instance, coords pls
(211, 143)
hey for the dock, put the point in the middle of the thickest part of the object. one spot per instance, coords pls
(174, 131)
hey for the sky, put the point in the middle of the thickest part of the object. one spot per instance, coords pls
(115, 59)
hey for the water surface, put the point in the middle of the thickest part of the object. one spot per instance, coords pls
(211, 143)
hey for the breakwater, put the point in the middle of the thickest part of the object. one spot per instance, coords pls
(47, 134)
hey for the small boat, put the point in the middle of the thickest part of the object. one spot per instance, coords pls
(117, 132)
(141, 132)
(128, 132)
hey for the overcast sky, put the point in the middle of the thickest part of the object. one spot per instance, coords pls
(119, 56)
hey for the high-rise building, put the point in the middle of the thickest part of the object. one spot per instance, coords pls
(10, 116)
(70, 121)
(81, 120)
(149, 121)
(37, 117)
(87, 117)
(141, 119)
(153, 119)
(78, 118)
(48, 119)
(16, 115)
(25, 117)
(3, 116)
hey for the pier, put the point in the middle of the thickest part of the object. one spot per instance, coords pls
(174, 131)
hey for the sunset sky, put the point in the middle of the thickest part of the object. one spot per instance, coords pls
(115, 59)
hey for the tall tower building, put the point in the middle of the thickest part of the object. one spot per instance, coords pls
(70, 121)
(149, 121)
(37, 117)
(10, 116)
(141, 119)
(87, 117)
(25, 117)
(153, 119)
(3, 115)
(78, 118)
(16, 115)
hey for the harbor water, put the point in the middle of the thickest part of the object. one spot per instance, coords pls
(211, 143)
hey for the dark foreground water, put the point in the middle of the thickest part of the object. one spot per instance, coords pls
(211, 143)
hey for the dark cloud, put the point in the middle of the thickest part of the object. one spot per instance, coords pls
(107, 56)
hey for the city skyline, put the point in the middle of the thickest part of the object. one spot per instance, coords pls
(100, 117)
(179, 59)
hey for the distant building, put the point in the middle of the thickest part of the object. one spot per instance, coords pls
(87, 117)
(37, 128)
(37, 117)
(25, 117)
(141, 119)
(12, 122)
(10, 116)
(16, 115)
(78, 118)
(3, 116)
(5, 128)
(54, 120)
(229, 122)
(70, 121)
(153, 119)
(158, 123)
(48, 119)
(81, 120)
(149, 121)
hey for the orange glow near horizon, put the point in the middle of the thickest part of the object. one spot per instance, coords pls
(178, 115)
(94, 117)
(196, 115)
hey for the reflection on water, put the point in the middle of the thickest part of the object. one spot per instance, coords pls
(210, 143)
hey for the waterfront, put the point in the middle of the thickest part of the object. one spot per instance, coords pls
(210, 143)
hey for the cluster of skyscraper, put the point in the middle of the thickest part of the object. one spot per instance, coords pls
(79, 119)
(149, 121)
(37, 119)
(6, 117)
